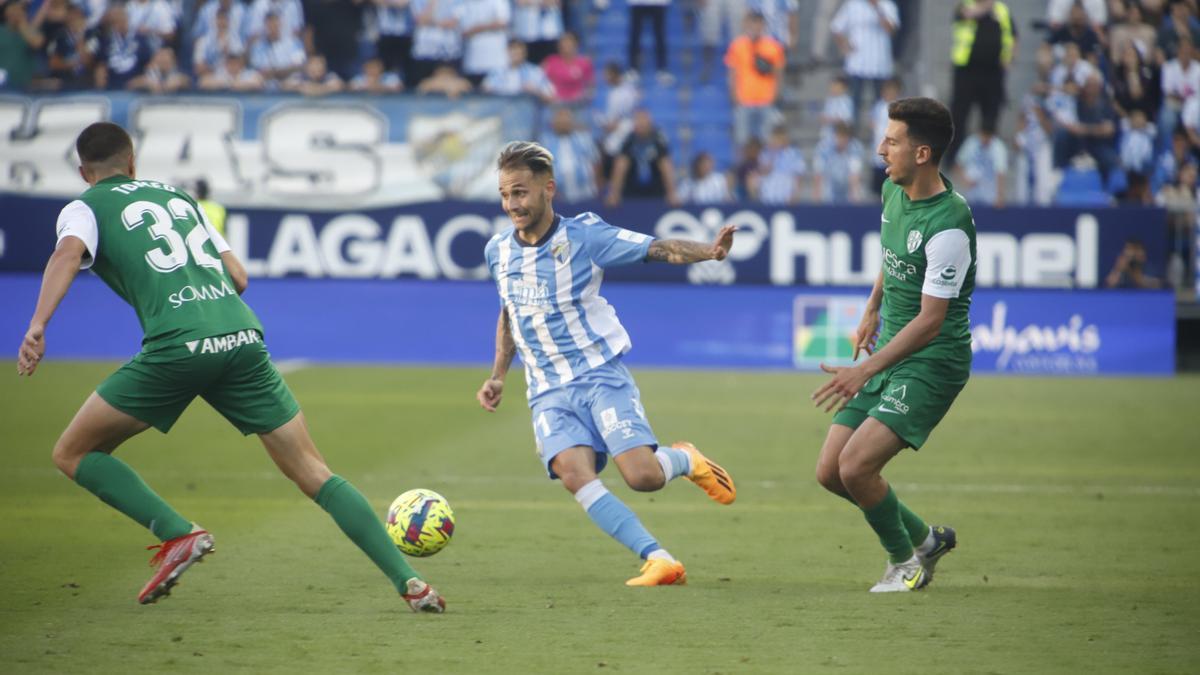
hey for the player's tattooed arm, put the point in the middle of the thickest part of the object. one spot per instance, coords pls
(683, 252)
(492, 391)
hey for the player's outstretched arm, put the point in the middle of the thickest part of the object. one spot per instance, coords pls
(60, 272)
(492, 391)
(684, 252)
(237, 272)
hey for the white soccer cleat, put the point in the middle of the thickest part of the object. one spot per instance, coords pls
(422, 597)
(901, 577)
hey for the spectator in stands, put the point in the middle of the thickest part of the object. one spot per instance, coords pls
(161, 75)
(983, 40)
(315, 79)
(879, 122)
(436, 37)
(838, 167)
(1168, 163)
(747, 165)
(332, 31)
(654, 12)
(211, 49)
(376, 79)
(1136, 84)
(51, 17)
(72, 52)
(1058, 13)
(395, 22)
(539, 24)
(644, 168)
(1079, 31)
(519, 77)
(779, 178)
(837, 107)
(1093, 133)
(717, 18)
(1072, 67)
(1035, 162)
(233, 75)
(1136, 150)
(213, 210)
(571, 73)
(484, 25)
(619, 103)
(1180, 200)
(290, 13)
(19, 42)
(863, 30)
(782, 19)
(704, 184)
(152, 19)
(983, 168)
(206, 18)
(1129, 270)
(576, 159)
(755, 62)
(1181, 21)
(1129, 27)
(446, 81)
(1180, 80)
(277, 55)
(123, 53)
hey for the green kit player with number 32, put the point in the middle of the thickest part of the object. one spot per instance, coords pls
(152, 245)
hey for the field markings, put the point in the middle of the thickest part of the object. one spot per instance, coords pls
(292, 365)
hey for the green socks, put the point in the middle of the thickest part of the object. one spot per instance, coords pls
(887, 522)
(916, 528)
(120, 487)
(354, 515)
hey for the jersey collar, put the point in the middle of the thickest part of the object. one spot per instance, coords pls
(545, 237)
(930, 201)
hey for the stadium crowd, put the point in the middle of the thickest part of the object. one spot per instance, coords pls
(1114, 114)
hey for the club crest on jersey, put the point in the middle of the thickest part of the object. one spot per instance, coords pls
(914, 241)
(561, 250)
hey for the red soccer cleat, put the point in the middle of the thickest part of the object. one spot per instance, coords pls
(173, 558)
(422, 597)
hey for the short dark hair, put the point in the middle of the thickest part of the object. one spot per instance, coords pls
(928, 120)
(526, 155)
(103, 143)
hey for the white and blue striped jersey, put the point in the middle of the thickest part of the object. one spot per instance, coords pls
(870, 44)
(551, 292)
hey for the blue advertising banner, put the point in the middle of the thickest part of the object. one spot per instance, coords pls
(804, 245)
(439, 322)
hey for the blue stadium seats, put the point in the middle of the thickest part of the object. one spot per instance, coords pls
(1082, 187)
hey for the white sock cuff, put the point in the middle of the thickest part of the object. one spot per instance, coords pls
(665, 462)
(590, 494)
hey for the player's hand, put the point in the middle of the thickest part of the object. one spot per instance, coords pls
(723, 242)
(866, 334)
(490, 393)
(33, 347)
(837, 392)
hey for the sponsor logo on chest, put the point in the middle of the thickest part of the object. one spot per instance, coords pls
(223, 343)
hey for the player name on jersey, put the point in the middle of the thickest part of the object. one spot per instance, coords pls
(224, 343)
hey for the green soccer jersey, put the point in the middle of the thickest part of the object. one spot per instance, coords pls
(150, 244)
(929, 248)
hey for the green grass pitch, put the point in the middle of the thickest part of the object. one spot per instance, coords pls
(1075, 501)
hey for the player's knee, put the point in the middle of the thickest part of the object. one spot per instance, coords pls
(829, 478)
(850, 472)
(647, 479)
(573, 478)
(66, 458)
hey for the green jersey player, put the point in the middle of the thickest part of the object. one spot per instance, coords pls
(921, 360)
(153, 246)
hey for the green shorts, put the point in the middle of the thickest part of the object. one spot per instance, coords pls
(232, 372)
(910, 398)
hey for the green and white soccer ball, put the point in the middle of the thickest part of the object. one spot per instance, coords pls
(420, 522)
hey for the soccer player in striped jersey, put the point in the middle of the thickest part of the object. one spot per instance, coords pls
(585, 405)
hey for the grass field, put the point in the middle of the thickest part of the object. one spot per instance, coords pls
(1075, 501)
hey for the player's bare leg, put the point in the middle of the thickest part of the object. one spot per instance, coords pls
(576, 468)
(84, 454)
(293, 451)
(901, 531)
(641, 469)
(828, 470)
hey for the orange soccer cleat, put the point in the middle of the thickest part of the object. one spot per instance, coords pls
(709, 475)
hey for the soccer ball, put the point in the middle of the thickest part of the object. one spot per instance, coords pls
(420, 522)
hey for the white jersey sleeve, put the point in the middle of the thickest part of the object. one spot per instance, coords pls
(77, 220)
(218, 241)
(947, 258)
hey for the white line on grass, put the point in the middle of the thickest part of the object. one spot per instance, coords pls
(291, 365)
